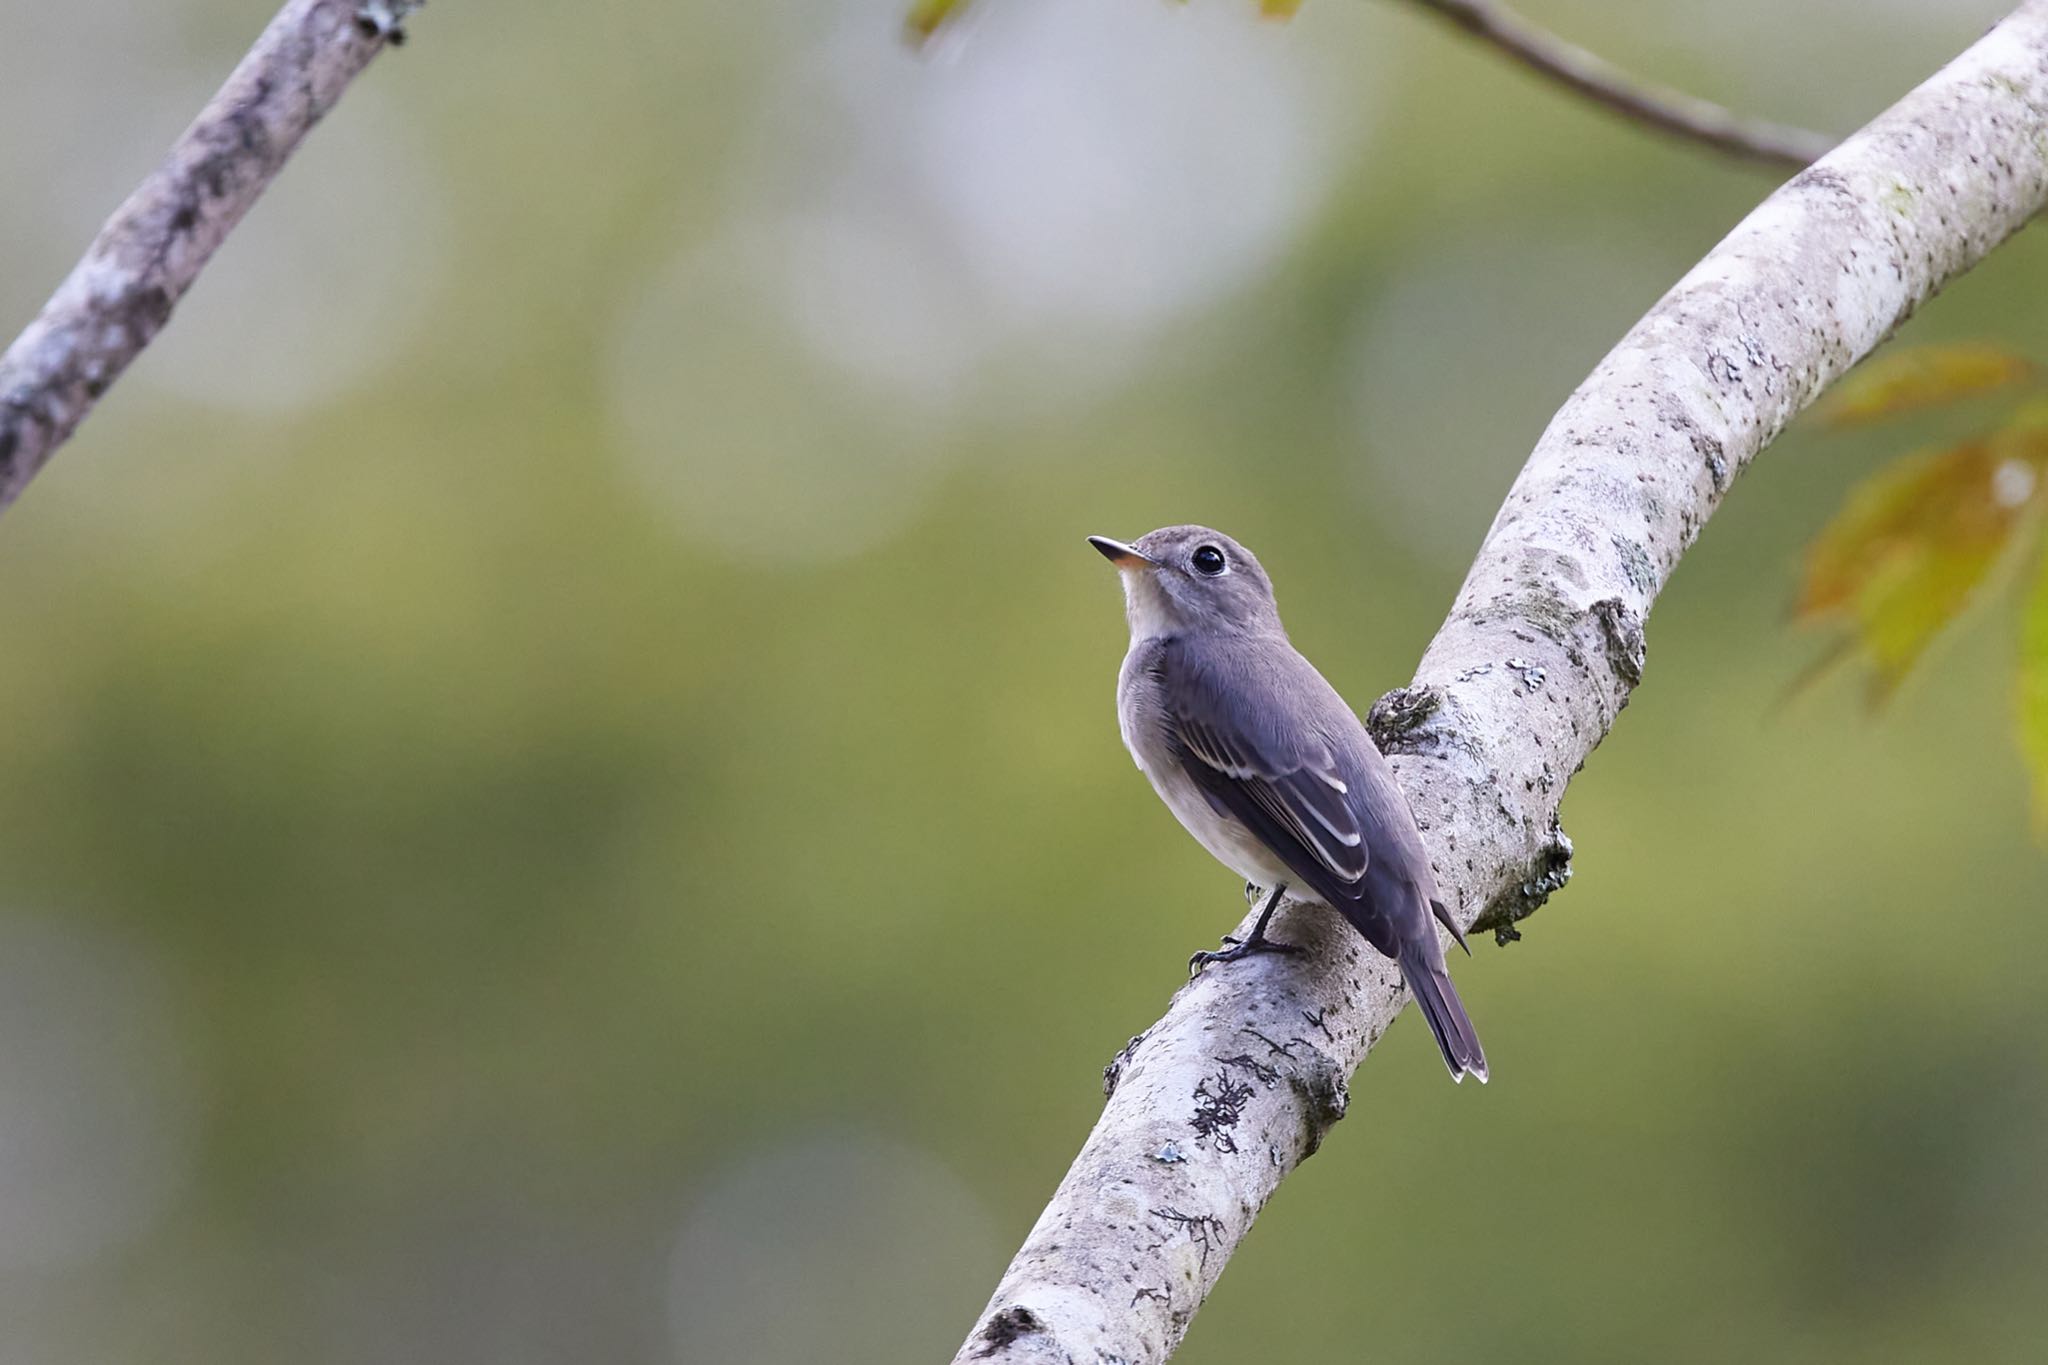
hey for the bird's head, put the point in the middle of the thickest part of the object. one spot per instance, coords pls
(1182, 580)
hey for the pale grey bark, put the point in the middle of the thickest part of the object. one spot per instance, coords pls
(1212, 1107)
(148, 254)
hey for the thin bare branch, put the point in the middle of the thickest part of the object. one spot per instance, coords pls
(120, 295)
(1535, 662)
(1673, 111)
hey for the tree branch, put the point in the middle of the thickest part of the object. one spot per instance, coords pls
(1215, 1104)
(147, 255)
(1674, 111)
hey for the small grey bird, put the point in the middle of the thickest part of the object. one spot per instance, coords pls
(1268, 768)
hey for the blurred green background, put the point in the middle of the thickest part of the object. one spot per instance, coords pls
(559, 799)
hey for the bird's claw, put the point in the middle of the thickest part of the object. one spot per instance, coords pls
(1238, 948)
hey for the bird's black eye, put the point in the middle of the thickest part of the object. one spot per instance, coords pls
(1208, 560)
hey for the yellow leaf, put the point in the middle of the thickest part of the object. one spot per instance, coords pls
(1916, 377)
(1912, 599)
(926, 17)
(1911, 547)
(2033, 691)
(1278, 9)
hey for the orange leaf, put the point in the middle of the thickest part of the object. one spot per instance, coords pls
(1916, 377)
(1910, 548)
(1886, 518)
(2033, 691)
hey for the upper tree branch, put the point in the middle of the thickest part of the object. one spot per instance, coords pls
(1674, 111)
(120, 295)
(1215, 1104)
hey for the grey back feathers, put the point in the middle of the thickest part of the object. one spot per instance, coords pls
(1264, 763)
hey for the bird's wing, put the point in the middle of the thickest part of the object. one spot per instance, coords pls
(1289, 787)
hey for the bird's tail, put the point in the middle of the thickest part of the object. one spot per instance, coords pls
(1423, 966)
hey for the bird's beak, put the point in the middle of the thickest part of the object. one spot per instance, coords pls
(1122, 555)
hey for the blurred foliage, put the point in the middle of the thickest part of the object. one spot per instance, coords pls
(926, 17)
(482, 879)
(1909, 378)
(1917, 542)
(2033, 686)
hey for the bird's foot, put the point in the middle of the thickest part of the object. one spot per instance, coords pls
(1257, 943)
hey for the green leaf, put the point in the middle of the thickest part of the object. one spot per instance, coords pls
(1911, 547)
(2033, 691)
(1916, 377)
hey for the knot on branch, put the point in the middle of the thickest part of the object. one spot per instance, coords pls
(385, 19)
(1114, 1072)
(1325, 1098)
(1622, 632)
(1548, 870)
(1005, 1328)
(1396, 717)
(1421, 720)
